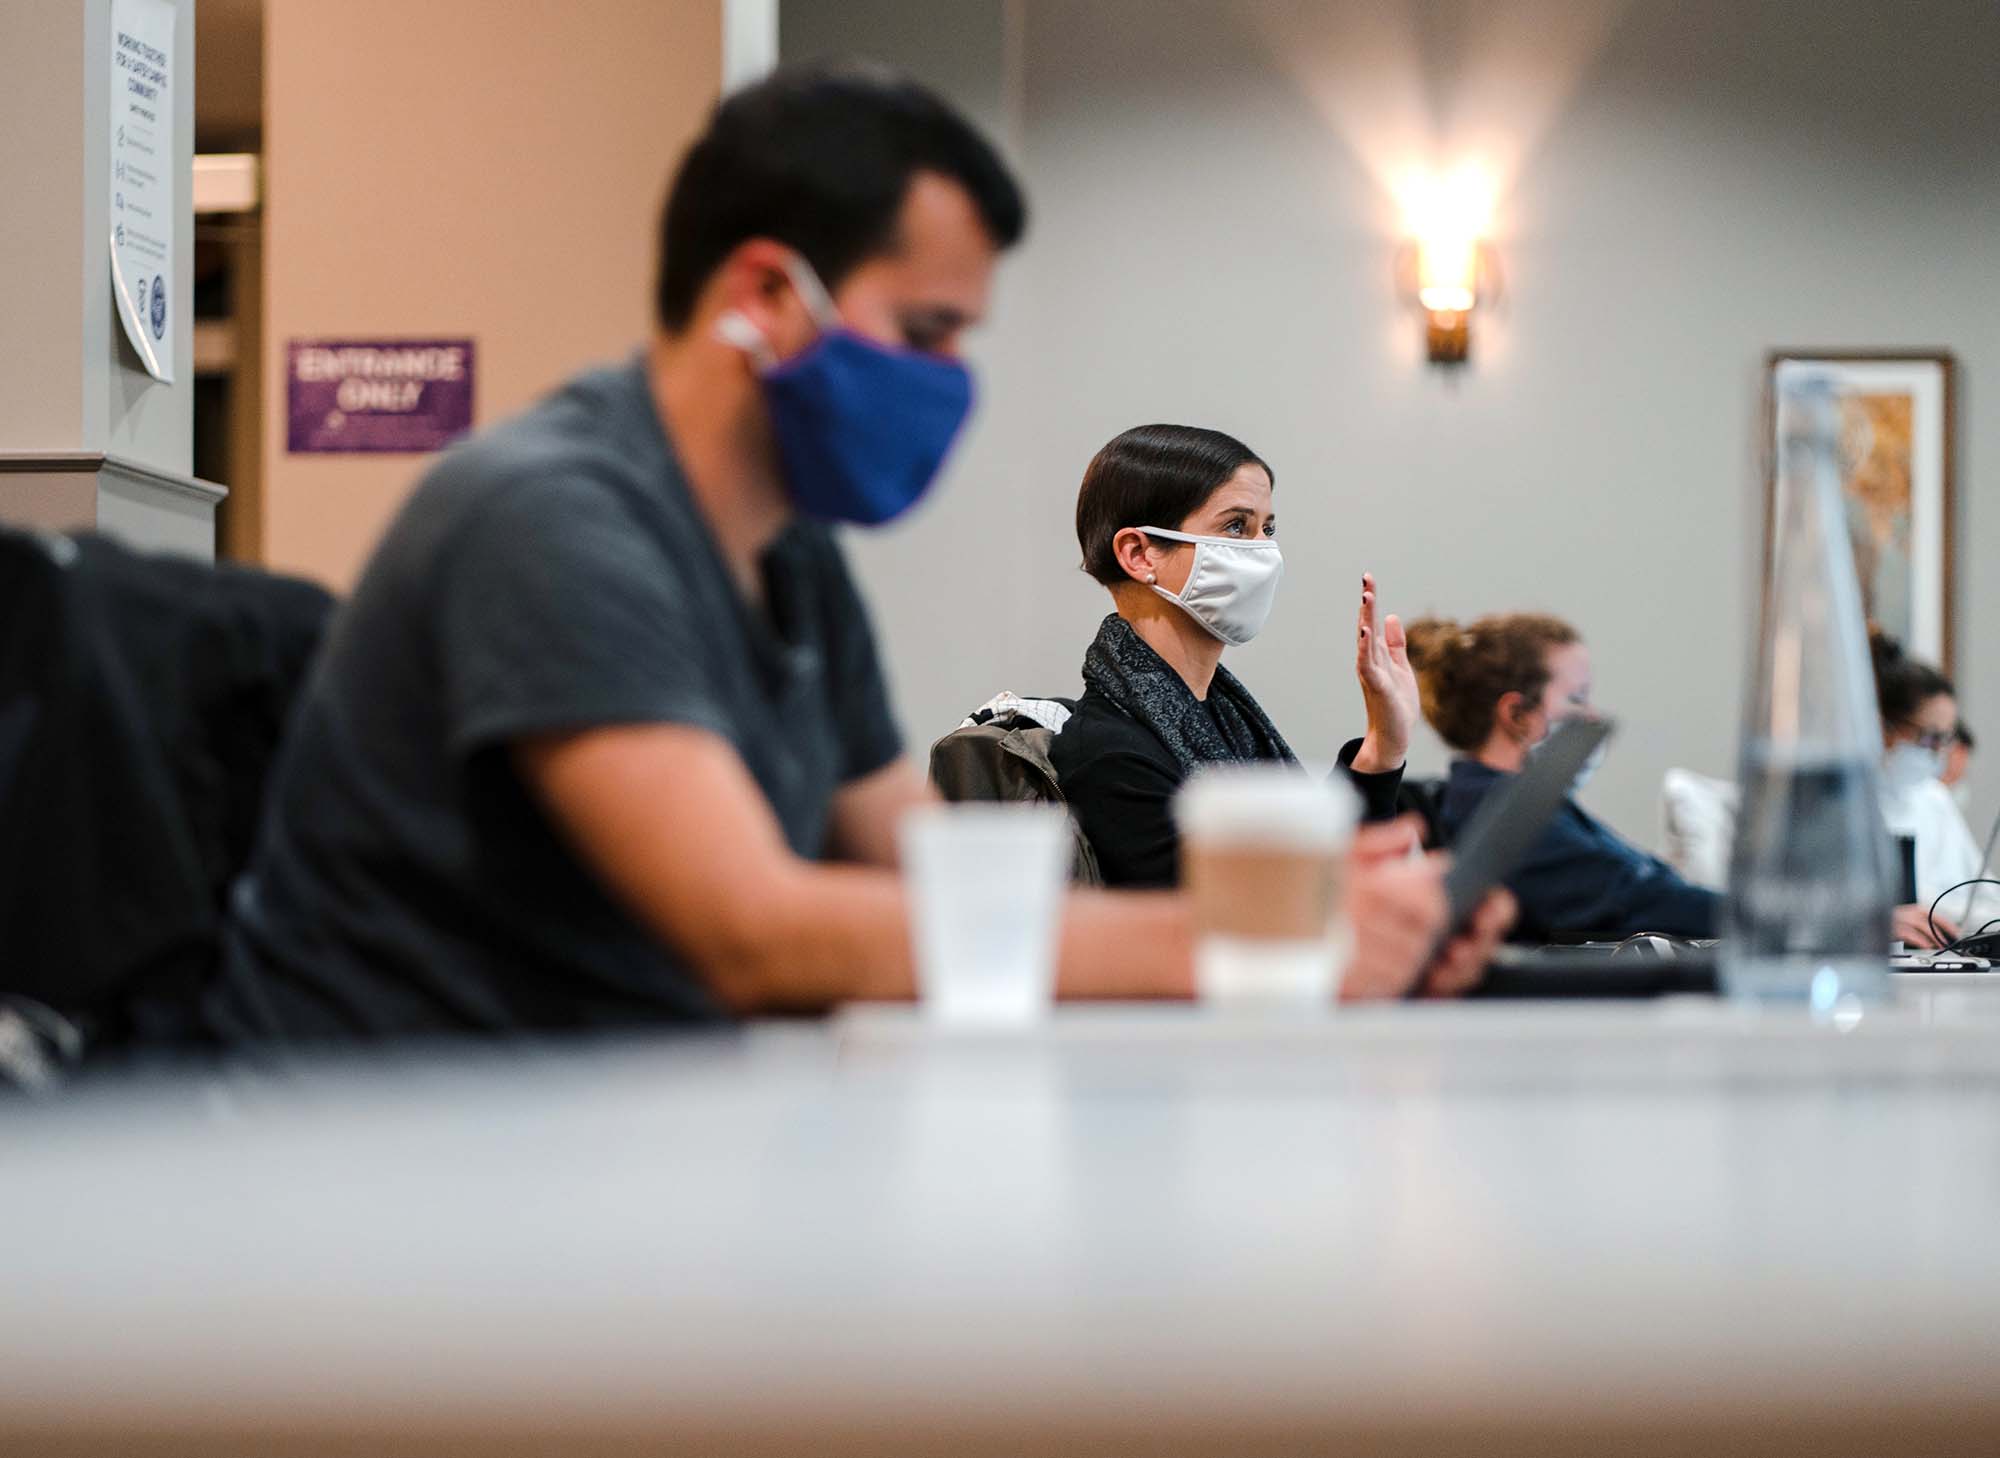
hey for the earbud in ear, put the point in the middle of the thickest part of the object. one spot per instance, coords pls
(736, 330)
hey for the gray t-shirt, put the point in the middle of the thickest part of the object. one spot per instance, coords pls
(551, 574)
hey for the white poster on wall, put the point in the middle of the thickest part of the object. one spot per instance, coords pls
(144, 71)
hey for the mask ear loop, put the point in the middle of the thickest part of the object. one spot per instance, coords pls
(735, 329)
(818, 302)
(1153, 578)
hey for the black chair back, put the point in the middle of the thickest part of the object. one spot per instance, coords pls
(142, 702)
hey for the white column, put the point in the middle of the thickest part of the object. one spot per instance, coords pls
(749, 41)
(87, 437)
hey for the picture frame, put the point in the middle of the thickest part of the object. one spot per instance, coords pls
(1898, 483)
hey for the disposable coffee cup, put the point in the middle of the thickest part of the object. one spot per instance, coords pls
(1264, 863)
(986, 885)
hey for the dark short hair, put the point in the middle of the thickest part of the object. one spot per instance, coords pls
(1903, 685)
(1151, 476)
(819, 158)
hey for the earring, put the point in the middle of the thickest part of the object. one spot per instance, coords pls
(1151, 578)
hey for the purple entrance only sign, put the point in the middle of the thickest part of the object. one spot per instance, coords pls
(405, 395)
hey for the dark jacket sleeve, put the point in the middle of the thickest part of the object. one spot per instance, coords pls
(1581, 880)
(1377, 791)
(1123, 802)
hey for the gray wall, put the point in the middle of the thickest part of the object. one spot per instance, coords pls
(1689, 186)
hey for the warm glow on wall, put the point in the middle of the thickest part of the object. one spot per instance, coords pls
(1446, 267)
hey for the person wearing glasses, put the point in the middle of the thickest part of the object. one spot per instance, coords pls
(1919, 726)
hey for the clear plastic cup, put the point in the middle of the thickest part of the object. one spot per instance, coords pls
(986, 886)
(1264, 863)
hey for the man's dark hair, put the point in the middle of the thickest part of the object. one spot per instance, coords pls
(819, 158)
(1151, 476)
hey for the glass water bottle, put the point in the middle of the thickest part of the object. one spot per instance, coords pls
(1810, 873)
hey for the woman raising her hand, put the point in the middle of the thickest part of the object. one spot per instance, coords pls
(1177, 523)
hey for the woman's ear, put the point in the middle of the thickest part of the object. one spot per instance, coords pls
(1512, 712)
(1134, 551)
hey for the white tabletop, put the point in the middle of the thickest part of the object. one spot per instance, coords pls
(1576, 1228)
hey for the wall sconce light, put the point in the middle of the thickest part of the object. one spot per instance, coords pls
(1447, 288)
(1446, 269)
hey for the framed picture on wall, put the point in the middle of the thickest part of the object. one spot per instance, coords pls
(1896, 424)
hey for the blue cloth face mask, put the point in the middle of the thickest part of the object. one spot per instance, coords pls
(862, 428)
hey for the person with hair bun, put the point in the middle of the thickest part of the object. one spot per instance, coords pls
(1496, 688)
(1919, 707)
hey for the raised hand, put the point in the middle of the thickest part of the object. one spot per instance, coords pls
(1388, 685)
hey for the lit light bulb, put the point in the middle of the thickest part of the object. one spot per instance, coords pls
(1446, 217)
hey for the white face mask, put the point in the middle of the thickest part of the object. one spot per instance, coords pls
(1230, 585)
(1906, 766)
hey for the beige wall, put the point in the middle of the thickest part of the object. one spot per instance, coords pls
(460, 168)
(41, 288)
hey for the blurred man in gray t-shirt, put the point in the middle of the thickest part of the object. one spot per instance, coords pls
(601, 738)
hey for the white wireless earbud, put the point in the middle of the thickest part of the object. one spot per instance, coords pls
(734, 329)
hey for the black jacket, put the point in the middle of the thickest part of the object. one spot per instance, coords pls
(1119, 780)
(141, 703)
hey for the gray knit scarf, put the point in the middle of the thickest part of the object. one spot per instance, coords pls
(1229, 728)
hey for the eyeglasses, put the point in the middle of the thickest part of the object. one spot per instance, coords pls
(1932, 739)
